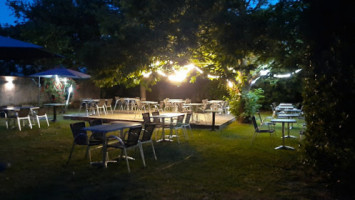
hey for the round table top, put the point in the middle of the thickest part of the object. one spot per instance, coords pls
(284, 120)
(54, 104)
(149, 102)
(193, 104)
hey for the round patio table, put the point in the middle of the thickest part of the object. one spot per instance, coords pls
(283, 121)
(54, 105)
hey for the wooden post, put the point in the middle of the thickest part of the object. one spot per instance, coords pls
(213, 120)
(143, 92)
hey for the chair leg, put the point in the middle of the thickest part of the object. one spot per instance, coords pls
(142, 154)
(155, 156)
(19, 124)
(46, 119)
(87, 153)
(254, 136)
(190, 129)
(125, 153)
(185, 133)
(177, 136)
(39, 124)
(29, 122)
(71, 152)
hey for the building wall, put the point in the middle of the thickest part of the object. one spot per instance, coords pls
(23, 90)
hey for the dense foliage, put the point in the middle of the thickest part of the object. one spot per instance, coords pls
(246, 104)
(329, 92)
(58, 91)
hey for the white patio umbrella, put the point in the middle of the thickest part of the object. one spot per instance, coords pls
(59, 71)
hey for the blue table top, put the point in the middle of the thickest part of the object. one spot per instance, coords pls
(112, 127)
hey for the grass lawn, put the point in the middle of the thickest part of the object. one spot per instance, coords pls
(210, 165)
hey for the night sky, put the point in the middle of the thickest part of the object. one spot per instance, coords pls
(6, 14)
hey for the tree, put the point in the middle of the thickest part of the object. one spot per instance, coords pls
(328, 103)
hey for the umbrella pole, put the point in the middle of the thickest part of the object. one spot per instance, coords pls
(39, 90)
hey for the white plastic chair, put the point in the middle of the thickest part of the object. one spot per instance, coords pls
(24, 114)
(101, 105)
(41, 115)
(109, 105)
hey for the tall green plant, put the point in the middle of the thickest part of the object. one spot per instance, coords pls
(246, 104)
(57, 91)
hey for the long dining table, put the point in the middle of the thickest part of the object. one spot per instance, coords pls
(104, 129)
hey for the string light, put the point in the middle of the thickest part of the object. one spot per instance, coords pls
(146, 74)
(282, 75)
(161, 73)
(180, 75)
(9, 85)
(212, 76)
(230, 83)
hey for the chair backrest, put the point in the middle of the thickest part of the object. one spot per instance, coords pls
(254, 123)
(156, 120)
(146, 117)
(41, 111)
(3, 114)
(101, 102)
(206, 106)
(161, 104)
(274, 104)
(80, 136)
(23, 112)
(108, 102)
(139, 103)
(188, 117)
(180, 119)
(95, 122)
(148, 132)
(133, 136)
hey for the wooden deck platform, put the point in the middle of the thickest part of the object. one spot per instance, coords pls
(203, 121)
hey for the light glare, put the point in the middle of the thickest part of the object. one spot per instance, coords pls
(10, 84)
(212, 76)
(282, 75)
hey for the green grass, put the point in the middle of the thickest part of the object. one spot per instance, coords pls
(210, 165)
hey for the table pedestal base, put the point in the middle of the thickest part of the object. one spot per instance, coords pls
(165, 140)
(289, 136)
(284, 147)
(101, 164)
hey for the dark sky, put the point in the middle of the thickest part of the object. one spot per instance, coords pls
(6, 15)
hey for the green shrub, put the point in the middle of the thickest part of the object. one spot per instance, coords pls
(246, 104)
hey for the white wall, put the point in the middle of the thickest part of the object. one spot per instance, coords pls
(23, 90)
